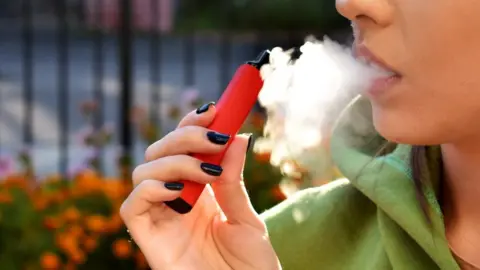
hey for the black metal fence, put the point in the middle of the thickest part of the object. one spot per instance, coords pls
(53, 57)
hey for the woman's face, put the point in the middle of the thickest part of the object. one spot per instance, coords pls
(434, 46)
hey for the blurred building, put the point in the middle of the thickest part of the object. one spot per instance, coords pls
(146, 15)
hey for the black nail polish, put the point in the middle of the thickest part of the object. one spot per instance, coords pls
(204, 107)
(218, 138)
(211, 169)
(250, 141)
(174, 186)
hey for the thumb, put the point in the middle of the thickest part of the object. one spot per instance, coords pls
(230, 191)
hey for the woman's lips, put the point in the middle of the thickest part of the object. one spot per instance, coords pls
(383, 82)
(381, 85)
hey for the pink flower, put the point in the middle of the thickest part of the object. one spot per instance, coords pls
(93, 153)
(73, 171)
(85, 135)
(189, 97)
(6, 165)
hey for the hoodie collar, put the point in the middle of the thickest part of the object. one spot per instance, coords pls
(387, 179)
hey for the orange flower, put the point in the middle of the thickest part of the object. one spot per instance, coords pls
(122, 248)
(96, 223)
(257, 120)
(49, 261)
(67, 242)
(54, 178)
(76, 231)
(16, 180)
(90, 243)
(5, 197)
(57, 197)
(278, 193)
(40, 202)
(115, 223)
(70, 266)
(262, 157)
(71, 214)
(52, 223)
(77, 192)
(65, 194)
(115, 189)
(88, 181)
(76, 256)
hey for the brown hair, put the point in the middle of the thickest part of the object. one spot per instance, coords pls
(417, 162)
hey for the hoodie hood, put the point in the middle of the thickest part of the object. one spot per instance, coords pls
(386, 179)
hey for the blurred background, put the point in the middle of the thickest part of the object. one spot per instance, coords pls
(86, 85)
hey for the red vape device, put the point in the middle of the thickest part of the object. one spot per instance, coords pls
(233, 108)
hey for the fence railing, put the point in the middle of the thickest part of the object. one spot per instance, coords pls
(106, 53)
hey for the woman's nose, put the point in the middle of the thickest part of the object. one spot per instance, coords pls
(364, 12)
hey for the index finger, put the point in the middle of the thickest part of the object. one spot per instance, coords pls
(202, 116)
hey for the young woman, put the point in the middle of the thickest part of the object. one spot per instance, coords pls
(414, 207)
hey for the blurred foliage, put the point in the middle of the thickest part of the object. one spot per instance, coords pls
(260, 15)
(72, 221)
(58, 224)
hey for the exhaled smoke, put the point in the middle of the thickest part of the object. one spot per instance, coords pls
(304, 97)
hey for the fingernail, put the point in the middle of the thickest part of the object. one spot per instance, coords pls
(174, 186)
(211, 169)
(204, 107)
(250, 141)
(218, 138)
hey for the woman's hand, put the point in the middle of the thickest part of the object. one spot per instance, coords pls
(222, 231)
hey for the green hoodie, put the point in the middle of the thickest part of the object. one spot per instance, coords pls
(370, 220)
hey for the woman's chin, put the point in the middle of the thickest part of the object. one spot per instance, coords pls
(407, 130)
